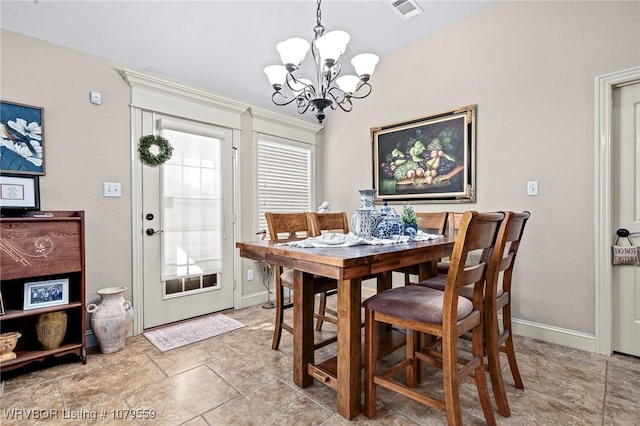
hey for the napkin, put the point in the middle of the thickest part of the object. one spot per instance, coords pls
(331, 239)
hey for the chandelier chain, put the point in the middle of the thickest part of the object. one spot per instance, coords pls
(319, 13)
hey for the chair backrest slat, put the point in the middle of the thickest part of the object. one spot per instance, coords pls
(287, 226)
(432, 221)
(328, 222)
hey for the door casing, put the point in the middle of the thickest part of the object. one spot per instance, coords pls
(604, 204)
(149, 93)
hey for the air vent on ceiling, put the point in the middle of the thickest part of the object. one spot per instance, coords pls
(406, 8)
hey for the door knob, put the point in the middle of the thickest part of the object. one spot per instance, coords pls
(623, 232)
(151, 231)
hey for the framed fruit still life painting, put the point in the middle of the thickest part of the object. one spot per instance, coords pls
(430, 159)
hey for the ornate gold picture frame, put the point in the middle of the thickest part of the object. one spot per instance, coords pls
(430, 159)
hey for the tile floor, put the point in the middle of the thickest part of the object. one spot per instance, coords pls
(237, 379)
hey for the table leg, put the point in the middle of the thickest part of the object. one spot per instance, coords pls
(428, 270)
(349, 323)
(384, 281)
(302, 328)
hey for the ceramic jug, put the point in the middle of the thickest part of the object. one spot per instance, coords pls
(364, 223)
(111, 319)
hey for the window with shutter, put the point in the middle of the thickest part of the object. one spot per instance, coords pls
(284, 171)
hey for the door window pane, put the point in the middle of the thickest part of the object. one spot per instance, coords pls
(192, 212)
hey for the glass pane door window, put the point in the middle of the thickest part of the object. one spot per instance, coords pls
(192, 214)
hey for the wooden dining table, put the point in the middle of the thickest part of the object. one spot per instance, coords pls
(349, 266)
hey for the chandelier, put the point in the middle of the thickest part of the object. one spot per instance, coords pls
(327, 49)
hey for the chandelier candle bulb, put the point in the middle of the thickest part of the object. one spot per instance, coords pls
(331, 46)
(365, 64)
(348, 83)
(292, 52)
(328, 91)
(276, 74)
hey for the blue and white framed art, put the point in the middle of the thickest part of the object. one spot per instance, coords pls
(21, 139)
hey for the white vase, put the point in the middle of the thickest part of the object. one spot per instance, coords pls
(111, 319)
(364, 223)
(367, 199)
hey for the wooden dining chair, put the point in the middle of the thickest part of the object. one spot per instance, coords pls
(498, 297)
(287, 227)
(453, 224)
(443, 314)
(321, 223)
(433, 223)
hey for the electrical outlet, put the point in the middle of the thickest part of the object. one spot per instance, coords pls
(250, 275)
(532, 187)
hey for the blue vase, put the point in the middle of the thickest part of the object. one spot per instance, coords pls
(410, 230)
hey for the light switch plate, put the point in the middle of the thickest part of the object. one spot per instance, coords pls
(532, 187)
(112, 189)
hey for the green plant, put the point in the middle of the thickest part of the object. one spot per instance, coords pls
(409, 216)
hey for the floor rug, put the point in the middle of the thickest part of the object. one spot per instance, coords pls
(185, 333)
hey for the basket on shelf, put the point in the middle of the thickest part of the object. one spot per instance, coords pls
(8, 342)
(51, 328)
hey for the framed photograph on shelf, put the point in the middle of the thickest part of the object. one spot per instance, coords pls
(22, 133)
(42, 294)
(428, 159)
(19, 192)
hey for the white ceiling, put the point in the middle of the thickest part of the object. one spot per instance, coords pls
(221, 46)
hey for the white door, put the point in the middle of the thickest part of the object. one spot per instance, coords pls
(187, 224)
(626, 214)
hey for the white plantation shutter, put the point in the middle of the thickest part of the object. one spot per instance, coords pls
(284, 177)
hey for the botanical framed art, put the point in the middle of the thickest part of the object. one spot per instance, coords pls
(21, 139)
(19, 192)
(431, 159)
(41, 294)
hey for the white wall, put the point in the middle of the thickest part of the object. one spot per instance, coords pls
(530, 68)
(85, 145)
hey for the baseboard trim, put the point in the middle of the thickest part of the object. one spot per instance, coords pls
(254, 299)
(561, 336)
(91, 339)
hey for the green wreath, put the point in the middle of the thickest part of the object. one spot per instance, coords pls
(149, 158)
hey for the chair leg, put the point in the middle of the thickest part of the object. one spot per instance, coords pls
(370, 351)
(412, 370)
(277, 332)
(492, 336)
(509, 348)
(483, 392)
(480, 378)
(450, 382)
(322, 309)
